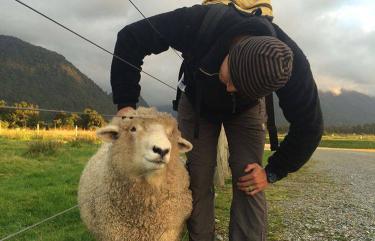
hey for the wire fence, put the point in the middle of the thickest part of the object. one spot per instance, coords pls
(10, 236)
(48, 110)
(95, 44)
(153, 27)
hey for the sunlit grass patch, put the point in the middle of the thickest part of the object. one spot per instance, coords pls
(52, 134)
(352, 141)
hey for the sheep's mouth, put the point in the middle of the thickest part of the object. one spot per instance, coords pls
(157, 161)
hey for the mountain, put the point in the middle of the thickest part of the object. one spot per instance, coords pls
(43, 77)
(347, 108)
(339, 109)
(343, 108)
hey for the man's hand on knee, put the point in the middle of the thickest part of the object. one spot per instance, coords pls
(254, 181)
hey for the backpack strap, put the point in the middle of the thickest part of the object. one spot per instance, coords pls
(209, 24)
(271, 122)
(206, 30)
(271, 125)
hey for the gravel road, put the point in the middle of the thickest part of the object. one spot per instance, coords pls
(330, 198)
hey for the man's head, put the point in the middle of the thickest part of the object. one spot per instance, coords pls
(256, 66)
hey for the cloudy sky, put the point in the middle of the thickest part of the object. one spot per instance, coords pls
(338, 36)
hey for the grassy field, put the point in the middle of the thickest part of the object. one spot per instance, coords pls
(344, 141)
(332, 140)
(34, 186)
(348, 141)
(39, 176)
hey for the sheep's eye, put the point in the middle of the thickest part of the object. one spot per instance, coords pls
(133, 129)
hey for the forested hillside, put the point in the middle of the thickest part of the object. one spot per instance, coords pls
(45, 78)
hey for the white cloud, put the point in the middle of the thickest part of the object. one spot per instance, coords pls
(336, 85)
(337, 38)
(354, 15)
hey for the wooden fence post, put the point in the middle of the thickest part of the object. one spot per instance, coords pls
(37, 129)
(76, 131)
(222, 169)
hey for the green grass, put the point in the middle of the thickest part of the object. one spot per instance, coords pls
(34, 187)
(349, 144)
(344, 141)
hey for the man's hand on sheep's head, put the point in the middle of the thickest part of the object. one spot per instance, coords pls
(124, 110)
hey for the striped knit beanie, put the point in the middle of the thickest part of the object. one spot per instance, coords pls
(259, 65)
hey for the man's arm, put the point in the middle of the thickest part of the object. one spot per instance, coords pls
(300, 104)
(139, 39)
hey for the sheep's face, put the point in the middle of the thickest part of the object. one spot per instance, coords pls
(143, 145)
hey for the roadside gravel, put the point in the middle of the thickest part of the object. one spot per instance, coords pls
(331, 198)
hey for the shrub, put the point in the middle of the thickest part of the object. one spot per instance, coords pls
(43, 147)
(79, 141)
(4, 124)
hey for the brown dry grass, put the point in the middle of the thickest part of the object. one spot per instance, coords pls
(58, 134)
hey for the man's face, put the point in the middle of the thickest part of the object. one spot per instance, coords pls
(224, 76)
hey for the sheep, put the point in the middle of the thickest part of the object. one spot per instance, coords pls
(136, 188)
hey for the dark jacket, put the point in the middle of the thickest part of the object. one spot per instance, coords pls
(298, 99)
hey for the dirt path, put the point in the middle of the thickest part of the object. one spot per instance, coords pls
(331, 198)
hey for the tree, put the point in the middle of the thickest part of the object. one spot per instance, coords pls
(65, 120)
(3, 112)
(59, 119)
(73, 120)
(2, 103)
(91, 119)
(3, 115)
(23, 118)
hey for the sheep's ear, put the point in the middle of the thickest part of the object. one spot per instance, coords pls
(184, 145)
(108, 133)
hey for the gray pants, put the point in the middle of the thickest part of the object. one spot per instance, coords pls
(246, 139)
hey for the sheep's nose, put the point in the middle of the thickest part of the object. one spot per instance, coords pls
(160, 151)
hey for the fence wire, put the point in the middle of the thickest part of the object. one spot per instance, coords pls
(74, 112)
(95, 44)
(98, 46)
(153, 27)
(37, 224)
(48, 110)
